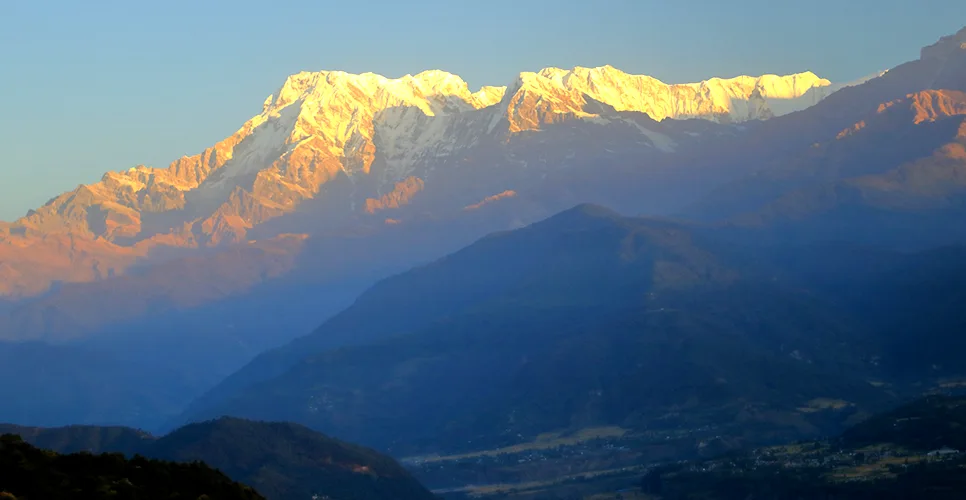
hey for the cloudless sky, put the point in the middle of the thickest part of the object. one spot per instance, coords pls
(98, 85)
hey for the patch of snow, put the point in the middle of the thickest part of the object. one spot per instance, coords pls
(659, 140)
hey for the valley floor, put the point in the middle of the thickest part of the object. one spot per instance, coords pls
(610, 462)
(585, 462)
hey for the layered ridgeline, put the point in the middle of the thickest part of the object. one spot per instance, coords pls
(897, 177)
(369, 143)
(591, 319)
(891, 158)
(893, 144)
(426, 169)
(585, 319)
(342, 179)
(336, 154)
(281, 461)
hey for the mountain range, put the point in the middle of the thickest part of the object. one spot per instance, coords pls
(175, 278)
(342, 179)
(369, 142)
(331, 147)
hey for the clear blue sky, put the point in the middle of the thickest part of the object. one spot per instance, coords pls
(96, 85)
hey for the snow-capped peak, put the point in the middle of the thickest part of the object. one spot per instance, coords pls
(319, 126)
(713, 99)
(339, 111)
(376, 90)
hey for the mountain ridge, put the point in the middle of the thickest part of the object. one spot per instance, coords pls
(340, 139)
(281, 460)
(190, 172)
(505, 317)
(902, 168)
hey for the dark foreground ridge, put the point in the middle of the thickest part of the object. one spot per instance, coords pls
(282, 461)
(27, 472)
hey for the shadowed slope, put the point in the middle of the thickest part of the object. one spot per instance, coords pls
(586, 318)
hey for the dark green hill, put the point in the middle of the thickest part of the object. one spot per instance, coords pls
(917, 310)
(27, 472)
(912, 302)
(282, 461)
(584, 319)
(928, 424)
(288, 461)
